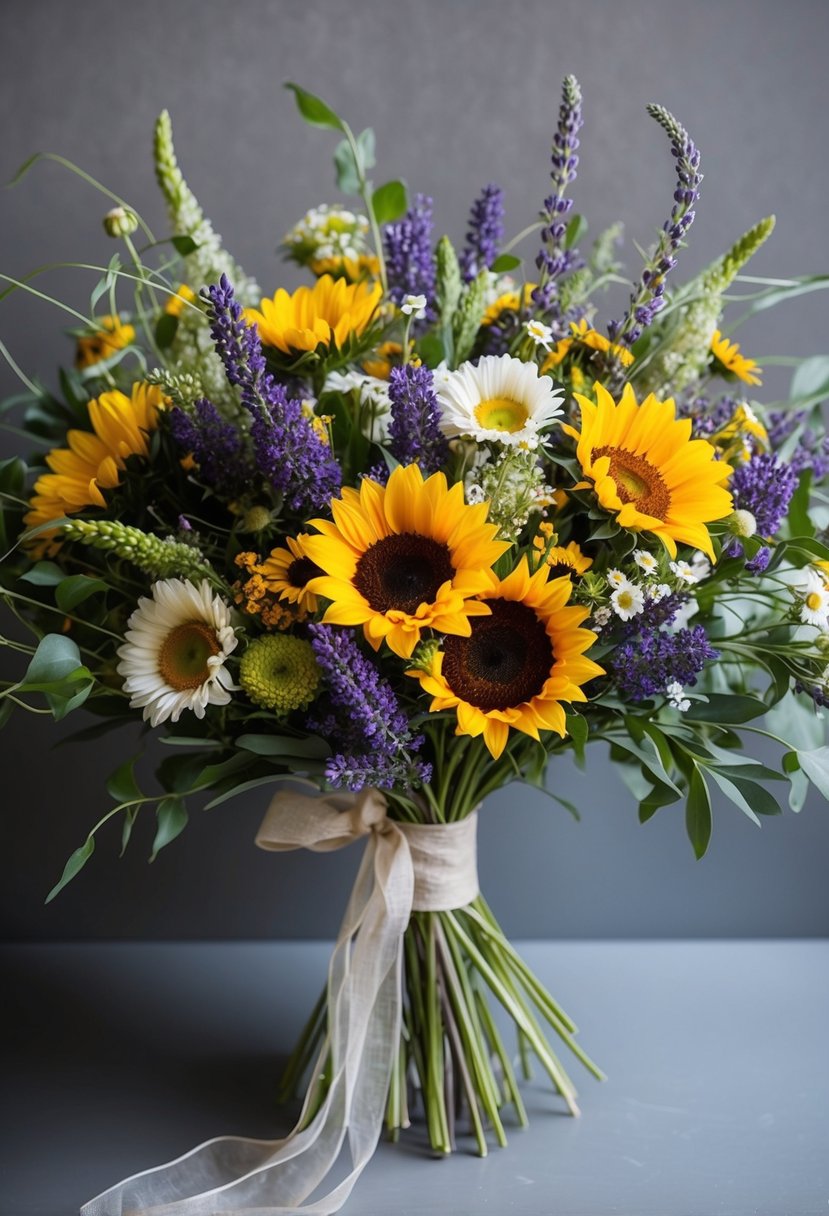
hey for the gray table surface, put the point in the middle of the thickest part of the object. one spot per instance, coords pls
(123, 1056)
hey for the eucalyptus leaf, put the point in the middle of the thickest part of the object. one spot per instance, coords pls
(815, 764)
(313, 746)
(172, 820)
(73, 590)
(44, 574)
(122, 785)
(56, 657)
(74, 865)
(698, 813)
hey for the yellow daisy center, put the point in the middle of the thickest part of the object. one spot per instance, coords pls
(403, 571)
(182, 659)
(814, 600)
(637, 481)
(504, 663)
(625, 600)
(501, 414)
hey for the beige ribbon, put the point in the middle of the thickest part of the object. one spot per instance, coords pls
(405, 868)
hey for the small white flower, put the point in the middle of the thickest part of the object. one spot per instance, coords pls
(541, 335)
(175, 649)
(814, 610)
(616, 578)
(685, 572)
(645, 561)
(657, 592)
(600, 618)
(474, 494)
(627, 600)
(675, 697)
(700, 566)
(414, 306)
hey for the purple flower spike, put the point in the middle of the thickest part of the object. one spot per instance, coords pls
(414, 434)
(645, 667)
(554, 260)
(764, 486)
(410, 262)
(486, 231)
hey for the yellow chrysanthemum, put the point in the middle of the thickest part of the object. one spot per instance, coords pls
(96, 347)
(287, 573)
(280, 672)
(728, 358)
(645, 467)
(327, 314)
(583, 335)
(175, 304)
(508, 301)
(404, 557)
(519, 663)
(94, 460)
(353, 270)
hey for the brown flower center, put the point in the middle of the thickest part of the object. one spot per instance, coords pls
(559, 568)
(301, 571)
(402, 572)
(504, 663)
(637, 481)
(182, 659)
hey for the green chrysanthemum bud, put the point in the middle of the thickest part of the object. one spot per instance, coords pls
(280, 672)
(257, 519)
(120, 222)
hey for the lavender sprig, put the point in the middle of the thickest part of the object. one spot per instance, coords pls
(648, 296)
(645, 667)
(371, 728)
(553, 259)
(217, 447)
(485, 233)
(288, 452)
(414, 434)
(410, 262)
(764, 486)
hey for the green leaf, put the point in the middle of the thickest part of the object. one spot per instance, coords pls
(184, 245)
(815, 764)
(314, 110)
(241, 788)
(799, 520)
(578, 730)
(130, 816)
(659, 796)
(389, 201)
(166, 330)
(726, 708)
(56, 658)
(576, 228)
(351, 173)
(811, 378)
(799, 782)
(74, 865)
(313, 746)
(698, 813)
(44, 574)
(504, 263)
(172, 820)
(77, 588)
(469, 315)
(122, 785)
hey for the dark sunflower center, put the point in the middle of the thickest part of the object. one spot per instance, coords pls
(182, 659)
(402, 572)
(301, 571)
(637, 481)
(560, 568)
(506, 660)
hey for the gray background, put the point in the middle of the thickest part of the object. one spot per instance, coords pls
(459, 93)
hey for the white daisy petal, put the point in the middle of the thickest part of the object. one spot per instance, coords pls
(497, 400)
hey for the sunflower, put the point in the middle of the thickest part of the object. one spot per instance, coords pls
(404, 557)
(645, 467)
(287, 572)
(728, 359)
(583, 335)
(508, 301)
(105, 341)
(568, 560)
(499, 399)
(519, 663)
(175, 649)
(94, 460)
(327, 314)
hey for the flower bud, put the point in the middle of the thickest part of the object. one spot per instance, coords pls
(120, 222)
(742, 523)
(257, 519)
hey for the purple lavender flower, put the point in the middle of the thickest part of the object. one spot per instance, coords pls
(216, 446)
(288, 452)
(812, 451)
(648, 297)
(486, 231)
(410, 262)
(414, 434)
(654, 614)
(553, 259)
(371, 728)
(759, 563)
(817, 692)
(764, 486)
(707, 418)
(646, 666)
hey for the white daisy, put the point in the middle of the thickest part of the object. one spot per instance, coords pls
(627, 600)
(700, 566)
(685, 572)
(175, 649)
(814, 610)
(616, 578)
(657, 592)
(600, 618)
(498, 400)
(645, 561)
(675, 698)
(541, 334)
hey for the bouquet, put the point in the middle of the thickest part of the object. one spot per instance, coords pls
(393, 541)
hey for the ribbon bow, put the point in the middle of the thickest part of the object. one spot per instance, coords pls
(405, 868)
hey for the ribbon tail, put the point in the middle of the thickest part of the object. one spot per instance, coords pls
(233, 1176)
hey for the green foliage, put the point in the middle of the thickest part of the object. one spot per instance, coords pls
(314, 110)
(389, 202)
(468, 317)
